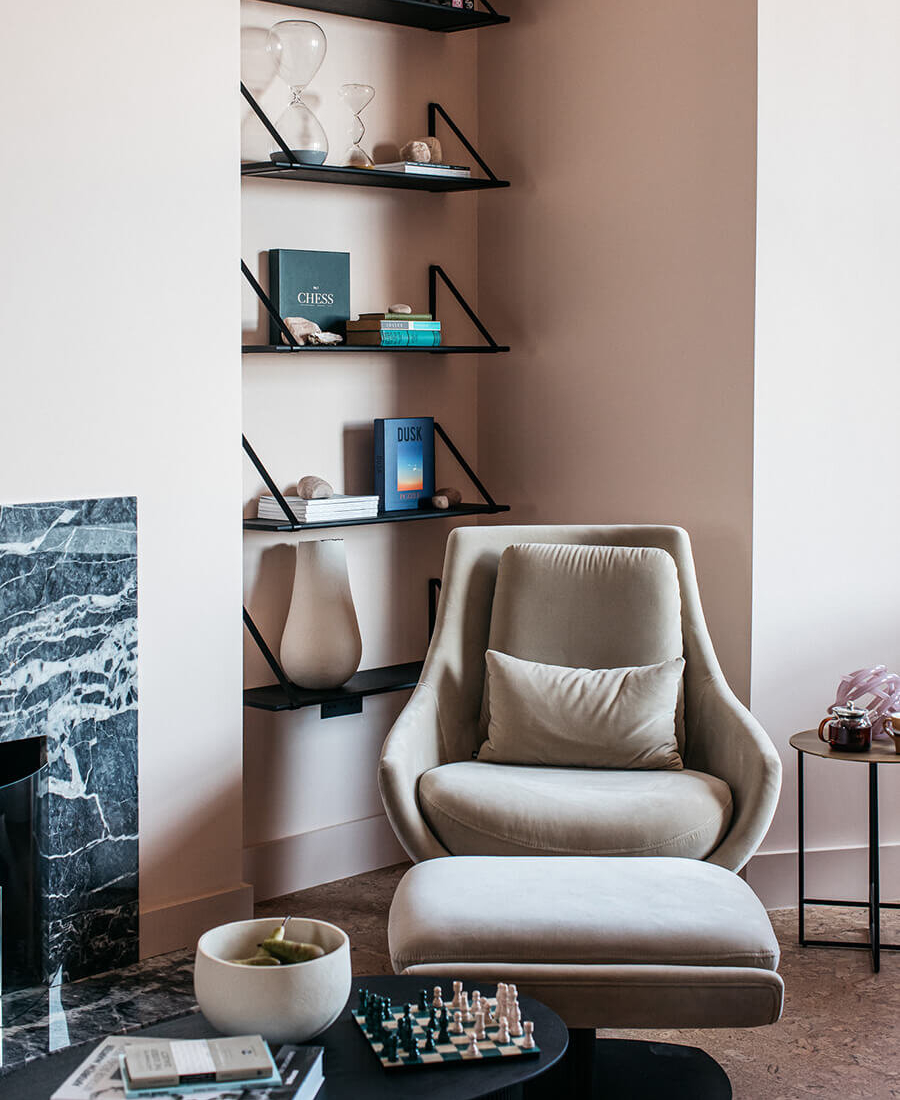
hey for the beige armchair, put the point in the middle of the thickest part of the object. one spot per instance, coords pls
(440, 801)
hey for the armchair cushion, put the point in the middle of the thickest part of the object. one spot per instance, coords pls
(587, 607)
(578, 717)
(475, 808)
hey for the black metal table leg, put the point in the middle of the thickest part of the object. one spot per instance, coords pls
(801, 854)
(874, 871)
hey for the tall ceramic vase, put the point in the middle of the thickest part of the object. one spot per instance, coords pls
(321, 646)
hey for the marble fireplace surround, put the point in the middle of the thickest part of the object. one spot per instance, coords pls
(68, 672)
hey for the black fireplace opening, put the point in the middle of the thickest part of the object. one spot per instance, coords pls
(23, 785)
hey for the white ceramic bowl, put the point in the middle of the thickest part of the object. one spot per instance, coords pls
(284, 1004)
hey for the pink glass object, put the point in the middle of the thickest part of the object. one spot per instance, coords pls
(881, 685)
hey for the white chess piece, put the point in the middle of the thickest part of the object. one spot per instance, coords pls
(528, 1041)
(515, 1028)
(457, 990)
(464, 1007)
(438, 998)
(501, 999)
(472, 1050)
(489, 1018)
(503, 1032)
(476, 1002)
(457, 1027)
(479, 1026)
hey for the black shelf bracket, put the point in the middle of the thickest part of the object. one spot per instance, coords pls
(292, 519)
(341, 705)
(435, 109)
(435, 271)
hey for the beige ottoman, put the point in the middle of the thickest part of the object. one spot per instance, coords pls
(604, 941)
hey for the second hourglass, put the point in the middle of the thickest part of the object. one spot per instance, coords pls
(357, 97)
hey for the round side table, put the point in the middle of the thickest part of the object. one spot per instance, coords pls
(881, 752)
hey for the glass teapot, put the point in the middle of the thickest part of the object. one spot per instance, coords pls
(847, 728)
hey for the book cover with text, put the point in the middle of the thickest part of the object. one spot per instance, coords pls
(404, 462)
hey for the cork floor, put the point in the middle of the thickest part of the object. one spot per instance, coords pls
(839, 1036)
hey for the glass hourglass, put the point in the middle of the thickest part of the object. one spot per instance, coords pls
(357, 97)
(298, 48)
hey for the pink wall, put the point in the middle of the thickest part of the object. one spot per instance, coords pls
(620, 266)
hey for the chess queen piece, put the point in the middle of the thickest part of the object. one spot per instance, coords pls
(357, 97)
(298, 47)
(464, 1007)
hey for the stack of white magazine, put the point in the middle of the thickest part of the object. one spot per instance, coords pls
(322, 510)
(99, 1076)
(418, 168)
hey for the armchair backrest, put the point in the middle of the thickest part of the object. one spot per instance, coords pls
(454, 666)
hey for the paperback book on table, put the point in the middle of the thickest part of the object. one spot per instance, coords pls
(301, 1069)
(404, 462)
(314, 285)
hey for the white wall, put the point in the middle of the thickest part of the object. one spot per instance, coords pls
(119, 311)
(826, 591)
(620, 268)
(313, 812)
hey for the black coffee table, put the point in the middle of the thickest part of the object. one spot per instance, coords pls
(352, 1071)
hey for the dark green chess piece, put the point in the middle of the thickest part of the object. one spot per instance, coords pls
(363, 995)
(429, 1040)
(443, 1033)
(412, 1048)
(390, 1046)
(423, 1000)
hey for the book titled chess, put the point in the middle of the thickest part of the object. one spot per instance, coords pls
(314, 285)
(404, 462)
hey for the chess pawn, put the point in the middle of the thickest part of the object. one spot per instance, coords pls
(429, 1041)
(515, 1028)
(503, 1032)
(438, 999)
(528, 1041)
(472, 1050)
(457, 991)
(457, 1026)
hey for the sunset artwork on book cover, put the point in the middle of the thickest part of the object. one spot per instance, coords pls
(404, 462)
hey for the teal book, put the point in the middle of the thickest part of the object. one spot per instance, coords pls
(392, 338)
(314, 285)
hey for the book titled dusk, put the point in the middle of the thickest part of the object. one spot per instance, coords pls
(404, 462)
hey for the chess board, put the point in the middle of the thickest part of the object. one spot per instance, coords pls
(445, 1053)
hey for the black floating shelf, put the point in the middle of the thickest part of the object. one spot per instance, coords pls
(409, 13)
(343, 700)
(449, 349)
(384, 517)
(367, 177)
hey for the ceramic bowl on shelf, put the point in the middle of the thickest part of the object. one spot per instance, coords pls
(284, 1004)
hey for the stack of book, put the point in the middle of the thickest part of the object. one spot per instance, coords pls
(336, 509)
(394, 330)
(426, 168)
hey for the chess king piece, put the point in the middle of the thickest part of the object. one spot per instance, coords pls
(528, 1041)
(464, 1007)
(515, 1027)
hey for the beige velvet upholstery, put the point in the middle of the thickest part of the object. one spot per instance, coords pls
(507, 809)
(605, 942)
(441, 723)
(581, 717)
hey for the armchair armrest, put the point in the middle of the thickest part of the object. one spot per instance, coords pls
(727, 741)
(412, 747)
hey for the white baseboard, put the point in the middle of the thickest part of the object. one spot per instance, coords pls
(170, 927)
(841, 873)
(323, 855)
